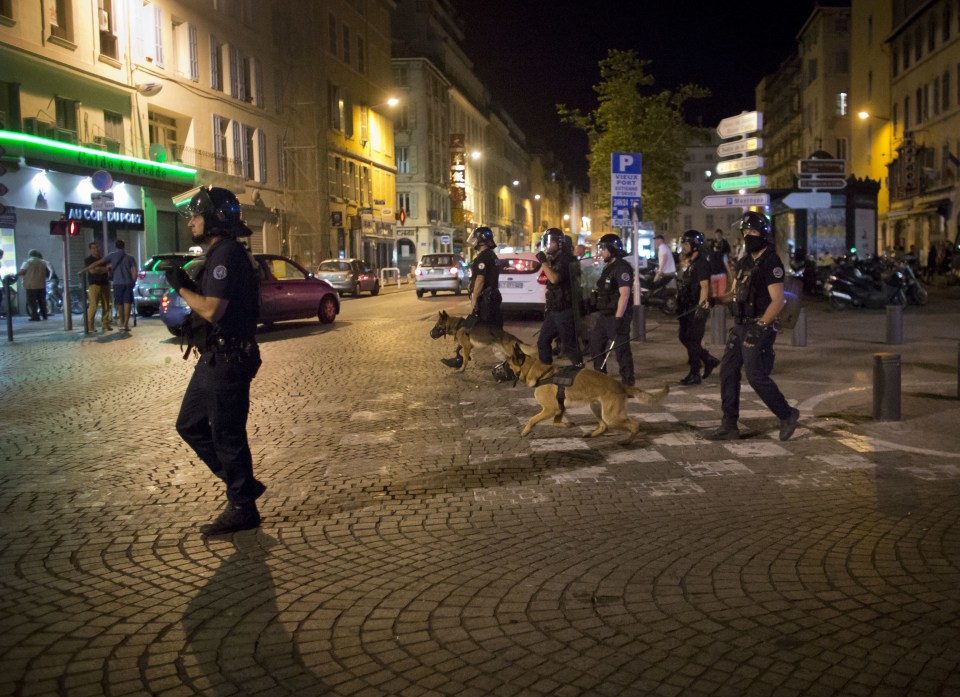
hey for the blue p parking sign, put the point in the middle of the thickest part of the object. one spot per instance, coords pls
(626, 175)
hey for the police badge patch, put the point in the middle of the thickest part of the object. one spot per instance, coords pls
(220, 272)
(480, 266)
(778, 272)
(624, 277)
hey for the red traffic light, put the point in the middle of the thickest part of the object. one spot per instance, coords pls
(73, 228)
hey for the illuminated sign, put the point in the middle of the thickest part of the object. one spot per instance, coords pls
(127, 218)
(120, 166)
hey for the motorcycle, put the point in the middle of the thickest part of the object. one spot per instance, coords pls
(55, 297)
(849, 285)
(916, 293)
(662, 293)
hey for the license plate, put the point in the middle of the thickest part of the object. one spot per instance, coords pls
(511, 284)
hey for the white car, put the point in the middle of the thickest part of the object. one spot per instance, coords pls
(523, 285)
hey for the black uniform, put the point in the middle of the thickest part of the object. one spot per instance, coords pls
(617, 273)
(558, 317)
(213, 415)
(750, 347)
(693, 324)
(487, 264)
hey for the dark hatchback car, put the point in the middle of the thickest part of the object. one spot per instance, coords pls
(151, 281)
(287, 291)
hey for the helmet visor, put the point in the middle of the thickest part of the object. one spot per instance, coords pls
(752, 223)
(196, 201)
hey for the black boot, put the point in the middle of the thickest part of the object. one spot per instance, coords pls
(233, 519)
(691, 379)
(728, 431)
(455, 362)
(709, 364)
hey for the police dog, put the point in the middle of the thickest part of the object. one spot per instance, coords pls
(606, 396)
(480, 336)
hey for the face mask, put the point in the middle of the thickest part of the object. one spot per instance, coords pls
(754, 243)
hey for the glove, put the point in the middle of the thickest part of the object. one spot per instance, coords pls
(179, 279)
(701, 312)
(622, 324)
(755, 334)
(541, 257)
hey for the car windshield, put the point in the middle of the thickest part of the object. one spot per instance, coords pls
(515, 265)
(334, 266)
(440, 260)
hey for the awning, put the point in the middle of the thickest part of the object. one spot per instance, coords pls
(912, 212)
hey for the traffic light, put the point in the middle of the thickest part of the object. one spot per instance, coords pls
(68, 228)
(73, 228)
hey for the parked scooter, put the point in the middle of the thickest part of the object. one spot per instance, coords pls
(55, 297)
(849, 286)
(662, 293)
(916, 293)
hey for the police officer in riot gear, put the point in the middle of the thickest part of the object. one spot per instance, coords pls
(485, 298)
(614, 303)
(693, 305)
(213, 414)
(758, 298)
(558, 319)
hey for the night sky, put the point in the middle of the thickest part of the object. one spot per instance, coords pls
(533, 54)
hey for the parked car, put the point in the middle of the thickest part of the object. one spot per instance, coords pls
(441, 272)
(523, 285)
(287, 291)
(352, 276)
(151, 281)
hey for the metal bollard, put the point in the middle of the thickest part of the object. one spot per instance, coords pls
(894, 324)
(886, 386)
(638, 329)
(718, 325)
(800, 330)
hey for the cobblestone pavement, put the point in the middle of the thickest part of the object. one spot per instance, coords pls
(414, 544)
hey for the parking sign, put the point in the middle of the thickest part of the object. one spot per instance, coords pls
(626, 174)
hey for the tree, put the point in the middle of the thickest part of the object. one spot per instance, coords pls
(633, 117)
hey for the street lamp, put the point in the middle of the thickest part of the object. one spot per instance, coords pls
(864, 115)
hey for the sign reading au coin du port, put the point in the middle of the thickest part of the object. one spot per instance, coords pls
(740, 165)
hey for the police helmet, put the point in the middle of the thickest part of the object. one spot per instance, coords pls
(552, 240)
(483, 235)
(751, 220)
(694, 238)
(612, 243)
(219, 209)
(568, 244)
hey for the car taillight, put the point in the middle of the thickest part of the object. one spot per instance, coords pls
(542, 279)
(141, 275)
(454, 270)
(419, 271)
(164, 302)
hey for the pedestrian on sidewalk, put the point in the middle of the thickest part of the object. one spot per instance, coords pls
(758, 297)
(123, 272)
(98, 285)
(719, 257)
(215, 407)
(35, 272)
(693, 306)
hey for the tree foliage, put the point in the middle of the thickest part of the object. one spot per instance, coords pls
(632, 116)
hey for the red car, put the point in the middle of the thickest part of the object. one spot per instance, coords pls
(287, 291)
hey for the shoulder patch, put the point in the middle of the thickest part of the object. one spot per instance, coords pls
(778, 272)
(624, 277)
(481, 266)
(220, 272)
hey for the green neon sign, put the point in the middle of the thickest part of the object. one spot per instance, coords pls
(751, 181)
(28, 145)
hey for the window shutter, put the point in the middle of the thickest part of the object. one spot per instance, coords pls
(194, 63)
(215, 58)
(258, 83)
(219, 156)
(158, 37)
(262, 155)
(234, 72)
(237, 149)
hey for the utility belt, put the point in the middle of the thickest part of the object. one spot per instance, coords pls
(231, 344)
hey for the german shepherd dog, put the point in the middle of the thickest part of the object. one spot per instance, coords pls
(606, 396)
(482, 335)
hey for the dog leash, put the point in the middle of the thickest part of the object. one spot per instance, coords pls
(614, 345)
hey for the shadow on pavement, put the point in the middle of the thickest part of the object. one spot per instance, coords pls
(235, 641)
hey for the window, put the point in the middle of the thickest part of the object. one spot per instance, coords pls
(403, 118)
(281, 163)
(932, 35)
(6, 9)
(403, 162)
(945, 29)
(686, 176)
(261, 156)
(242, 150)
(945, 90)
(335, 103)
(332, 26)
(220, 143)
(185, 49)
(841, 149)
(163, 132)
(60, 14)
(895, 117)
(842, 61)
(113, 131)
(936, 95)
(926, 102)
(906, 52)
(107, 24)
(407, 202)
(906, 113)
(919, 108)
(364, 125)
(346, 44)
(361, 56)
(241, 82)
(842, 104)
(869, 84)
(918, 44)
(895, 60)
(686, 198)
(216, 64)
(66, 119)
(152, 29)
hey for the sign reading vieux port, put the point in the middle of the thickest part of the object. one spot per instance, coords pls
(626, 184)
(84, 213)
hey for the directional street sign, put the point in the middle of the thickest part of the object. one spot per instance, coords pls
(742, 201)
(740, 164)
(815, 183)
(751, 181)
(741, 124)
(626, 171)
(817, 166)
(735, 147)
(811, 200)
